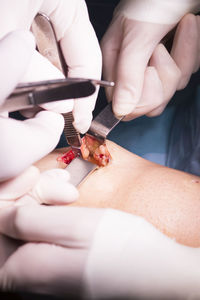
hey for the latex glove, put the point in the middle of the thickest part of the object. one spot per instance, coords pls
(131, 42)
(77, 39)
(22, 142)
(31, 186)
(47, 71)
(95, 253)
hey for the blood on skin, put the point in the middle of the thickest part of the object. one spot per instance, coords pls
(67, 157)
(92, 150)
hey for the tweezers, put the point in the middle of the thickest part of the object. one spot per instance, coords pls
(32, 94)
(101, 125)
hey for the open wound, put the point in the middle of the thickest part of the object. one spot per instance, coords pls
(92, 150)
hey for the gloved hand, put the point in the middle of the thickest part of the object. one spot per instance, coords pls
(77, 39)
(95, 253)
(31, 186)
(146, 75)
(22, 143)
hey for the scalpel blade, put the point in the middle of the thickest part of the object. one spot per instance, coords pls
(79, 169)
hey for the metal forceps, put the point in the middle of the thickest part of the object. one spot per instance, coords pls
(31, 94)
(49, 47)
(101, 126)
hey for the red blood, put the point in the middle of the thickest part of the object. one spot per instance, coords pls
(91, 150)
(95, 152)
(67, 157)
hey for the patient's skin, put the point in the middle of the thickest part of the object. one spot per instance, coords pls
(167, 198)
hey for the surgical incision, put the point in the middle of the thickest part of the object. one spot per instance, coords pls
(91, 150)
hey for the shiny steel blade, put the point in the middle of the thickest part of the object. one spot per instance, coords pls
(75, 90)
(104, 123)
(84, 84)
(101, 126)
(79, 169)
(16, 103)
(72, 136)
(48, 46)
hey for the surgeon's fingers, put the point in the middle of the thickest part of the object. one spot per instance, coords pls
(135, 50)
(83, 56)
(16, 49)
(110, 46)
(84, 60)
(131, 65)
(17, 187)
(67, 226)
(54, 187)
(47, 71)
(175, 70)
(152, 94)
(169, 75)
(25, 142)
(185, 50)
(42, 268)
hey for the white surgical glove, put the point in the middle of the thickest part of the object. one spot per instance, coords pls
(40, 68)
(95, 253)
(31, 187)
(77, 39)
(22, 142)
(146, 76)
(49, 187)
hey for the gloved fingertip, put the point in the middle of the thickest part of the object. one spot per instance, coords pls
(64, 193)
(81, 127)
(124, 101)
(16, 187)
(123, 108)
(82, 124)
(51, 119)
(53, 187)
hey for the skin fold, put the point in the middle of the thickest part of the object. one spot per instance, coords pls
(167, 198)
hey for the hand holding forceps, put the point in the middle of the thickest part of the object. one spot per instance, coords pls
(31, 94)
